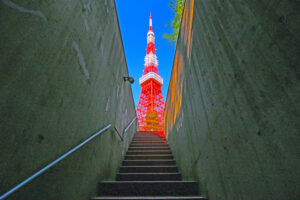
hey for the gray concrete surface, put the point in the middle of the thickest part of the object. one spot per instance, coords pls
(61, 80)
(232, 111)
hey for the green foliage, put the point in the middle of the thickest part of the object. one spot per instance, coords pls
(177, 7)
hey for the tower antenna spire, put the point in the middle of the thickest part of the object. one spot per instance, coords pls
(150, 22)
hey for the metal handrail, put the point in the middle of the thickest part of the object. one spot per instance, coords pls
(51, 164)
(129, 125)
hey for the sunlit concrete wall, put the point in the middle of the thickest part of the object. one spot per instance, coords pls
(232, 111)
(62, 65)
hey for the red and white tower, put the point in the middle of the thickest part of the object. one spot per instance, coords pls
(151, 100)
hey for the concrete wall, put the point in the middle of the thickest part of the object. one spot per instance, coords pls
(232, 111)
(61, 80)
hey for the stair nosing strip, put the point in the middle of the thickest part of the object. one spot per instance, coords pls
(148, 182)
(152, 160)
(147, 151)
(149, 197)
(152, 155)
(160, 173)
(151, 166)
(150, 147)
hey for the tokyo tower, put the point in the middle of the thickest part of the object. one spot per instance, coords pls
(151, 104)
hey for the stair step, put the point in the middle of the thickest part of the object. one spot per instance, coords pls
(148, 169)
(148, 188)
(145, 133)
(149, 145)
(148, 134)
(148, 157)
(153, 197)
(148, 162)
(149, 148)
(147, 138)
(149, 152)
(148, 177)
(149, 141)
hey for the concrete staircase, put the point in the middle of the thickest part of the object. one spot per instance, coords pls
(148, 172)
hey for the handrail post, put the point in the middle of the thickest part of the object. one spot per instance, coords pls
(119, 133)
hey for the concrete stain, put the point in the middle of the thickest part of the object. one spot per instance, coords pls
(81, 60)
(25, 10)
(107, 104)
(86, 25)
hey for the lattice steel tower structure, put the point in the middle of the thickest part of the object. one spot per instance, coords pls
(151, 104)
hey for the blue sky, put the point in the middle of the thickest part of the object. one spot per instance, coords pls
(134, 22)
